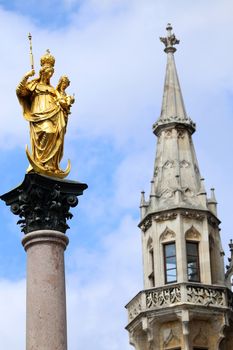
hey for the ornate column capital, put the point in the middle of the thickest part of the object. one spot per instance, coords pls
(43, 203)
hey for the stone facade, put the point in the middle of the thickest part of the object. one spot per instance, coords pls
(187, 300)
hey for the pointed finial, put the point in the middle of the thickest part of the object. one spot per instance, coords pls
(142, 202)
(170, 40)
(213, 198)
(143, 205)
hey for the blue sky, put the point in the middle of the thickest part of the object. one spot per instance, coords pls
(116, 64)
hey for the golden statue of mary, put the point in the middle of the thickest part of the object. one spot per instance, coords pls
(47, 110)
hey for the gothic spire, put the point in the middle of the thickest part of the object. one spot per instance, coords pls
(183, 265)
(173, 108)
(176, 180)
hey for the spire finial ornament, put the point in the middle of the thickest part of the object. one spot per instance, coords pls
(170, 40)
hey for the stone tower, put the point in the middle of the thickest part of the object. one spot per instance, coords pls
(187, 300)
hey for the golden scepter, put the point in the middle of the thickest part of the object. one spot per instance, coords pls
(31, 54)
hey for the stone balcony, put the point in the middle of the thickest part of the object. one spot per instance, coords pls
(179, 294)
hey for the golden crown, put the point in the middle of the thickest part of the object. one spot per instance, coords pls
(47, 60)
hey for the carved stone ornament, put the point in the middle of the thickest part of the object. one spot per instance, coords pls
(184, 164)
(168, 134)
(165, 216)
(43, 202)
(200, 338)
(192, 234)
(170, 41)
(168, 193)
(173, 120)
(192, 215)
(180, 133)
(171, 339)
(146, 224)
(188, 193)
(205, 296)
(167, 235)
(174, 295)
(163, 297)
(134, 307)
(168, 164)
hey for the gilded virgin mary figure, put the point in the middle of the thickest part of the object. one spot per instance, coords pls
(46, 109)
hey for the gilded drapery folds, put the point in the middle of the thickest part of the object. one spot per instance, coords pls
(46, 109)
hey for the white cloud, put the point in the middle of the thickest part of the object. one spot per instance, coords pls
(133, 176)
(13, 312)
(116, 64)
(101, 284)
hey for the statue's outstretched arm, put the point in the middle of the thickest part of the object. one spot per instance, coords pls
(21, 89)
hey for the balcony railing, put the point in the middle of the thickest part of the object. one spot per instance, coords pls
(177, 294)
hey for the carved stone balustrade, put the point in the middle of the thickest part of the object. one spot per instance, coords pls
(177, 294)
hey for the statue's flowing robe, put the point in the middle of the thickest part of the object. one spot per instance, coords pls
(47, 123)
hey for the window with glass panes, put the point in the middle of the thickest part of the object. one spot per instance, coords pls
(151, 267)
(193, 269)
(170, 262)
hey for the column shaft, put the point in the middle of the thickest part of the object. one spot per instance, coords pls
(46, 297)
